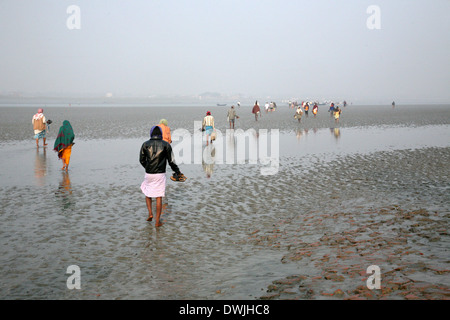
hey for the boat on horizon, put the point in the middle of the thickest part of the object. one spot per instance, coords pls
(221, 104)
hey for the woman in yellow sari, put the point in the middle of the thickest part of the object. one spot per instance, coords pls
(64, 142)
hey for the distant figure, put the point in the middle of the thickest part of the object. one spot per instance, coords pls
(208, 126)
(393, 104)
(298, 114)
(331, 110)
(272, 106)
(154, 155)
(345, 103)
(232, 116)
(239, 104)
(39, 126)
(337, 113)
(64, 142)
(256, 110)
(315, 109)
(166, 136)
(306, 107)
(266, 106)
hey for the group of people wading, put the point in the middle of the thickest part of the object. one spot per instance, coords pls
(334, 111)
(64, 140)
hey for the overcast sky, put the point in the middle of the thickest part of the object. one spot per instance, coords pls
(319, 48)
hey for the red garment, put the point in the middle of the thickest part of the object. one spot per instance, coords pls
(256, 109)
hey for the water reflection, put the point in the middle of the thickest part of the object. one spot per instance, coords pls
(64, 193)
(231, 146)
(336, 132)
(299, 133)
(208, 160)
(242, 146)
(40, 167)
(238, 147)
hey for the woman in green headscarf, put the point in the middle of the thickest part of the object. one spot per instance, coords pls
(64, 142)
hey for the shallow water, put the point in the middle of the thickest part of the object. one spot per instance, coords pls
(230, 232)
(135, 122)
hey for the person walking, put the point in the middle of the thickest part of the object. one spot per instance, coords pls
(166, 136)
(315, 109)
(64, 143)
(39, 127)
(256, 110)
(232, 116)
(337, 113)
(154, 156)
(306, 107)
(298, 114)
(331, 110)
(208, 126)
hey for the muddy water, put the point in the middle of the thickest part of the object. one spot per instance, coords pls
(372, 190)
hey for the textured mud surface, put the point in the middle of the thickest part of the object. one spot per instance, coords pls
(334, 208)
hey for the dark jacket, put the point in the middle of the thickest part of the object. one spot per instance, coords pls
(154, 155)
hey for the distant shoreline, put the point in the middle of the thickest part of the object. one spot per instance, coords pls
(92, 104)
(223, 101)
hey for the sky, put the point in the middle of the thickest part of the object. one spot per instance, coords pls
(290, 48)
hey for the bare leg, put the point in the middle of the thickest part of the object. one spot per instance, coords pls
(158, 212)
(149, 207)
(65, 162)
(44, 141)
(37, 143)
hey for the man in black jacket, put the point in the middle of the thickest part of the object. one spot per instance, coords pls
(154, 155)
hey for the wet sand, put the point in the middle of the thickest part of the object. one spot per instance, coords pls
(373, 190)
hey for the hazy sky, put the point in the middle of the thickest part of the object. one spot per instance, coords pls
(296, 48)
